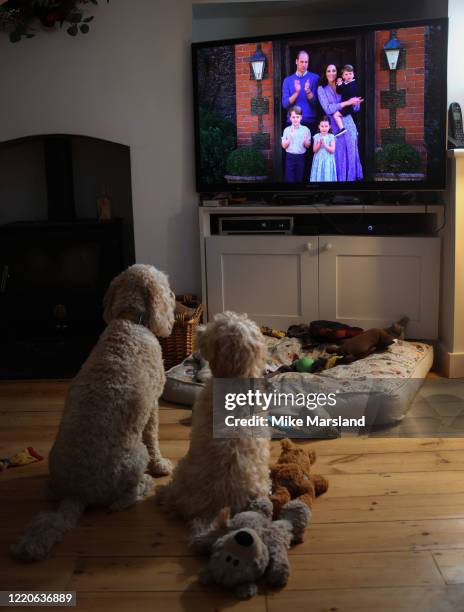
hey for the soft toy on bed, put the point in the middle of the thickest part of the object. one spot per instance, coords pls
(292, 479)
(332, 331)
(363, 345)
(250, 546)
(398, 329)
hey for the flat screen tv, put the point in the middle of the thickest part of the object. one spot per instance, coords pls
(344, 109)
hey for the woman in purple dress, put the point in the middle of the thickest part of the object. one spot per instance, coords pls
(346, 151)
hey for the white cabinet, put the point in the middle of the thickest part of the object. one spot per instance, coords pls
(272, 278)
(373, 281)
(366, 281)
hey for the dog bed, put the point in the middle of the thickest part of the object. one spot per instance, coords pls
(388, 381)
(182, 386)
(392, 378)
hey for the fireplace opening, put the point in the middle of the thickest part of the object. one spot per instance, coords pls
(57, 253)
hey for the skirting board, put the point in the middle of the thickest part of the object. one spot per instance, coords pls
(450, 364)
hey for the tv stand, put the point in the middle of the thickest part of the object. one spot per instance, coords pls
(364, 280)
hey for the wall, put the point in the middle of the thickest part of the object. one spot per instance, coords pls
(456, 52)
(129, 80)
(451, 347)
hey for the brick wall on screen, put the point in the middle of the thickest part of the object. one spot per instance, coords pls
(410, 77)
(249, 106)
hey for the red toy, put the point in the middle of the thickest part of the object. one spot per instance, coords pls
(331, 331)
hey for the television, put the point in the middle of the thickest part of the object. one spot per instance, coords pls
(353, 109)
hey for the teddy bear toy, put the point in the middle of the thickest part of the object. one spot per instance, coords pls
(292, 479)
(250, 546)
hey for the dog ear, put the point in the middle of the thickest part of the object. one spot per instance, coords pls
(203, 343)
(160, 303)
(108, 299)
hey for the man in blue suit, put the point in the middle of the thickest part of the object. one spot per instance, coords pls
(300, 89)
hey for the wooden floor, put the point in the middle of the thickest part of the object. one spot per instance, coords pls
(389, 534)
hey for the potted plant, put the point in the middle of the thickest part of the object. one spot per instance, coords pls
(246, 165)
(398, 162)
(217, 138)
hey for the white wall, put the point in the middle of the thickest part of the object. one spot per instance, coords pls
(129, 81)
(456, 52)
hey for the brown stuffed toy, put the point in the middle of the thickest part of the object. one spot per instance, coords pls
(363, 345)
(292, 479)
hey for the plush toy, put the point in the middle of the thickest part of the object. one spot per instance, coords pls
(398, 329)
(273, 333)
(250, 546)
(363, 345)
(24, 457)
(332, 331)
(305, 364)
(312, 365)
(292, 479)
(203, 371)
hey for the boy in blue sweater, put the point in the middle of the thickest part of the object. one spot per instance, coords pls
(296, 139)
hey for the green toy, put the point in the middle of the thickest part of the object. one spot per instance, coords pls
(305, 364)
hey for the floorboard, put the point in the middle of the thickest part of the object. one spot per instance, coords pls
(388, 535)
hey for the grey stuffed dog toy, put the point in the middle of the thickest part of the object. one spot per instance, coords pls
(250, 546)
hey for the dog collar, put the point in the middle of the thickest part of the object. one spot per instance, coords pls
(138, 319)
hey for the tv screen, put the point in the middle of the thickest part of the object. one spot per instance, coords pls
(352, 109)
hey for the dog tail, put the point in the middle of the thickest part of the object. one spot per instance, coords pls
(46, 530)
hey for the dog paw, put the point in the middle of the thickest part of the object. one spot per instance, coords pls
(120, 505)
(161, 467)
(145, 486)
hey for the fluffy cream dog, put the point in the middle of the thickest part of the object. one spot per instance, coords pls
(221, 472)
(108, 434)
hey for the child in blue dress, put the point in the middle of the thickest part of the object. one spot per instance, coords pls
(323, 168)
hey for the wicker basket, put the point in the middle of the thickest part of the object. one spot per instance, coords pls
(181, 342)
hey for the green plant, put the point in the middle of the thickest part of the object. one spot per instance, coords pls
(217, 139)
(402, 158)
(246, 161)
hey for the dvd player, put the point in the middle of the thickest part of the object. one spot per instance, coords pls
(256, 225)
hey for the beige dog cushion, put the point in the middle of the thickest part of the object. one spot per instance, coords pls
(395, 375)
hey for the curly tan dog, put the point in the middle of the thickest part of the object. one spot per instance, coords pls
(108, 434)
(221, 472)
